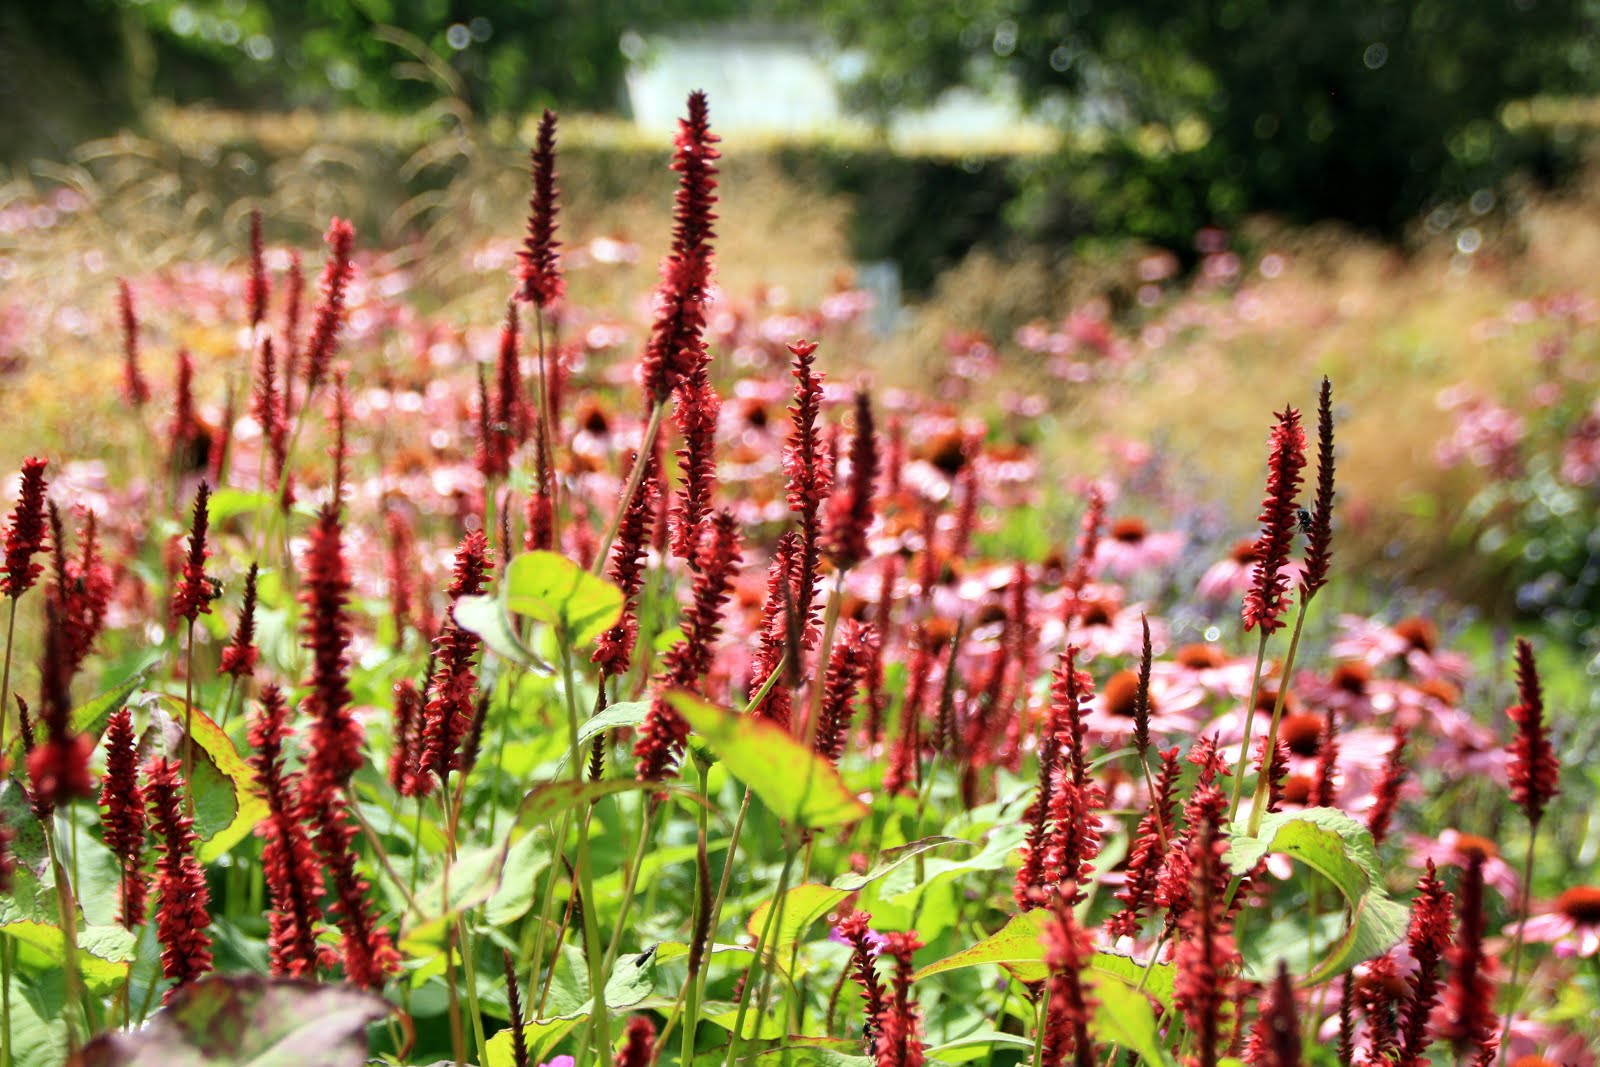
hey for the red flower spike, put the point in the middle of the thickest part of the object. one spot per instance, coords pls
(1428, 939)
(491, 455)
(329, 316)
(675, 349)
(1534, 772)
(1386, 794)
(192, 597)
(82, 595)
(1276, 770)
(1325, 791)
(266, 407)
(182, 898)
(1068, 948)
(966, 505)
(1074, 838)
(540, 515)
(697, 411)
(447, 718)
(810, 479)
(1275, 1042)
(122, 823)
(399, 570)
(407, 734)
(256, 289)
(539, 262)
(290, 867)
(58, 767)
(865, 945)
(188, 442)
(334, 742)
(663, 733)
(1141, 695)
(1145, 859)
(239, 658)
(614, 649)
(366, 948)
(853, 647)
(135, 390)
(778, 705)
(1070, 693)
(883, 622)
(1470, 1022)
(899, 1039)
(510, 414)
(294, 290)
(1205, 957)
(638, 1043)
(1319, 535)
(519, 1031)
(1267, 600)
(25, 532)
(1094, 517)
(850, 511)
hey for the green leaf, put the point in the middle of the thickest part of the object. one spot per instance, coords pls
(91, 718)
(1342, 851)
(512, 900)
(27, 833)
(227, 806)
(1122, 1016)
(795, 784)
(974, 1046)
(802, 906)
(554, 589)
(248, 1021)
(613, 716)
(104, 952)
(891, 858)
(545, 801)
(485, 616)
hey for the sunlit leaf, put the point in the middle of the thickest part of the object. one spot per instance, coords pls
(890, 858)
(795, 784)
(227, 806)
(801, 906)
(104, 952)
(614, 716)
(553, 589)
(485, 616)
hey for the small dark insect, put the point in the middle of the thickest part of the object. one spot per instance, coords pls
(1305, 520)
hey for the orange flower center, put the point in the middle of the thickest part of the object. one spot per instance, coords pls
(1471, 845)
(1302, 733)
(1441, 690)
(1120, 693)
(1244, 552)
(1352, 677)
(1297, 788)
(1098, 613)
(1198, 657)
(1129, 531)
(1420, 633)
(1581, 904)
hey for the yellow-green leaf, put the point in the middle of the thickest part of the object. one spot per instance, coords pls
(553, 589)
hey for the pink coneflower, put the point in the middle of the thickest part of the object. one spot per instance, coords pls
(289, 865)
(1570, 924)
(135, 390)
(182, 899)
(25, 532)
(539, 262)
(1452, 848)
(123, 821)
(1533, 770)
(1267, 600)
(1413, 642)
(239, 658)
(336, 275)
(1130, 546)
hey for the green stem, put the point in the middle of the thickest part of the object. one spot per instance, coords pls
(702, 904)
(630, 881)
(1258, 806)
(1249, 721)
(65, 903)
(599, 1023)
(647, 445)
(474, 1012)
(1516, 951)
(756, 965)
(188, 717)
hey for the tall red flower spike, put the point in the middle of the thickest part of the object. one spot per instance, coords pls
(899, 1040)
(853, 649)
(399, 567)
(697, 411)
(614, 649)
(447, 719)
(850, 511)
(663, 733)
(638, 1043)
(1275, 1041)
(182, 899)
(403, 756)
(336, 275)
(188, 442)
(1205, 957)
(293, 291)
(810, 478)
(58, 766)
(82, 594)
(1068, 948)
(774, 640)
(256, 290)
(266, 407)
(1428, 939)
(519, 1030)
(122, 823)
(135, 390)
(192, 597)
(1267, 600)
(1470, 1022)
(25, 531)
(676, 348)
(1094, 517)
(1319, 535)
(1534, 772)
(290, 867)
(239, 658)
(1149, 849)
(1074, 838)
(865, 945)
(1386, 794)
(540, 515)
(334, 742)
(539, 262)
(510, 409)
